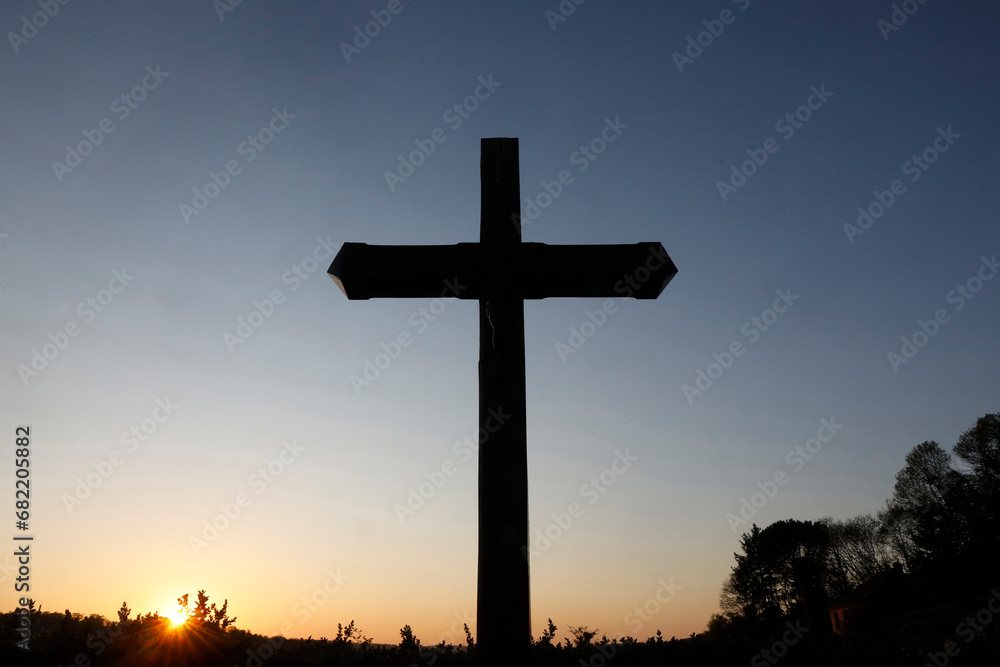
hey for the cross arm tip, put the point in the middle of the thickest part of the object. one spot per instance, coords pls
(338, 269)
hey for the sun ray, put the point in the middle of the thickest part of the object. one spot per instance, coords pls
(177, 618)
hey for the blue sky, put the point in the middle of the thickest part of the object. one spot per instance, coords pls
(327, 131)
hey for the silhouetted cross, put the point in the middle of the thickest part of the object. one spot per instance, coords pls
(500, 272)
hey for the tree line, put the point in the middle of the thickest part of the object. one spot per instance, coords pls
(940, 524)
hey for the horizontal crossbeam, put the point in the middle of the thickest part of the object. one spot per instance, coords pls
(530, 271)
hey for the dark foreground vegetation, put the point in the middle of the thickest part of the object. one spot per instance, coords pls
(151, 641)
(915, 584)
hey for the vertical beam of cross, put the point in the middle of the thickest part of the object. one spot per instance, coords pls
(503, 608)
(500, 272)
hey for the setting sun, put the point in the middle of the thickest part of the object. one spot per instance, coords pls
(177, 618)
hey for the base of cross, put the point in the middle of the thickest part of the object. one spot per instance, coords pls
(501, 272)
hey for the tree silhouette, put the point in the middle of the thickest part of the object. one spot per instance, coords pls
(940, 523)
(936, 496)
(581, 636)
(924, 479)
(204, 615)
(351, 635)
(860, 548)
(409, 645)
(751, 589)
(548, 634)
(785, 569)
(123, 613)
(979, 449)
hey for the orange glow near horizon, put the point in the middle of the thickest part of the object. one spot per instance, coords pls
(177, 618)
(380, 594)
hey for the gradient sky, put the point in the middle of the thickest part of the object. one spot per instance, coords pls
(321, 181)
